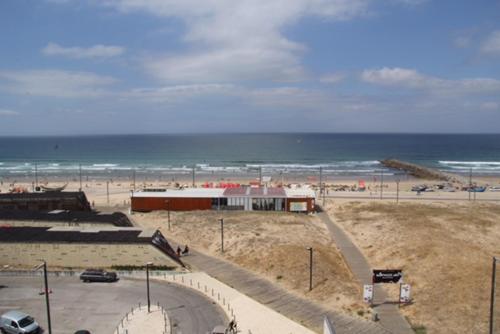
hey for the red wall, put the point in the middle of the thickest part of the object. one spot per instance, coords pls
(172, 204)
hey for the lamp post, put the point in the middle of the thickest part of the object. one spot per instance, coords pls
(397, 189)
(80, 172)
(168, 212)
(222, 234)
(381, 183)
(492, 300)
(310, 267)
(36, 174)
(44, 266)
(147, 285)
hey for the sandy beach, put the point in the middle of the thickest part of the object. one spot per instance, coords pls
(442, 240)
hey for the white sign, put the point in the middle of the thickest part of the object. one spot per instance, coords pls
(404, 293)
(368, 293)
(298, 206)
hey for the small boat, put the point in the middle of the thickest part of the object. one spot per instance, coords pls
(51, 189)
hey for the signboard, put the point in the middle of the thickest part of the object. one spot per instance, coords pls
(298, 206)
(368, 293)
(404, 293)
(388, 276)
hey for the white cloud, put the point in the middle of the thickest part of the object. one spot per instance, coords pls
(410, 78)
(96, 51)
(8, 112)
(54, 83)
(492, 44)
(179, 92)
(237, 40)
(332, 78)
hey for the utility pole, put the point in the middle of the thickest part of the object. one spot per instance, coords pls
(133, 176)
(492, 300)
(107, 190)
(470, 181)
(36, 175)
(310, 267)
(46, 286)
(222, 234)
(260, 175)
(80, 169)
(147, 285)
(321, 186)
(397, 190)
(193, 174)
(168, 213)
(381, 183)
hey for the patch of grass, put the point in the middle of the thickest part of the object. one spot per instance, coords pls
(420, 329)
(153, 267)
(361, 312)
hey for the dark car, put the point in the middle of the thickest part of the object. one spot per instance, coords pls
(98, 275)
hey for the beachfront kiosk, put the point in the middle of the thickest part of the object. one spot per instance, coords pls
(299, 199)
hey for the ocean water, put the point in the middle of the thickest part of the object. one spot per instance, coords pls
(337, 154)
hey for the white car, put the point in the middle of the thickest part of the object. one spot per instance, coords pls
(15, 322)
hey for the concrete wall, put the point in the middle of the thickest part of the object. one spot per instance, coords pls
(81, 255)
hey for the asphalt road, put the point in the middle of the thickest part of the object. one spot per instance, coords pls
(99, 307)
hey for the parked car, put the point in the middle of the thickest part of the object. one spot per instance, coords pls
(16, 322)
(98, 275)
(82, 331)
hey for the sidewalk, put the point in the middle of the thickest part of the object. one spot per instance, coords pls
(259, 290)
(140, 321)
(389, 315)
(251, 316)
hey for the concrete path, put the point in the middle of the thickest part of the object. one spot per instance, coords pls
(141, 321)
(278, 299)
(389, 315)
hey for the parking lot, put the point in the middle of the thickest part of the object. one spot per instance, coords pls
(99, 307)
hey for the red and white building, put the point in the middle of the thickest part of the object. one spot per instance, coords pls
(241, 198)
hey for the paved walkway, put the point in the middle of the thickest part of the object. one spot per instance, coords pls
(389, 315)
(142, 321)
(278, 299)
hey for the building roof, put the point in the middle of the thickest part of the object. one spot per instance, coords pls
(63, 197)
(49, 195)
(268, 192)
(66, 216)
(71, 235)
(111, 235)
(182, 193)
(303, 192)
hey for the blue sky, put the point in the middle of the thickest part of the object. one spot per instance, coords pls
(175, 66)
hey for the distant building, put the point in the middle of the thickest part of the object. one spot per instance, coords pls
(240, 198)
(45, 201)
(63, 218)
(81, 248)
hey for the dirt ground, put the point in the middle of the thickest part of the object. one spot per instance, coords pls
(273, 245)
(444, 249)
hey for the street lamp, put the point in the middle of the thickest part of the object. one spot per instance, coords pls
(222, 234)
(44, 266)
(168, 212)
(310, 267)
(147, 284)
(397, 189)
(492, 301)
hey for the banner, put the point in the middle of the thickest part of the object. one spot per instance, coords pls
(368, 293)
(388, 276)
(404, 293)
